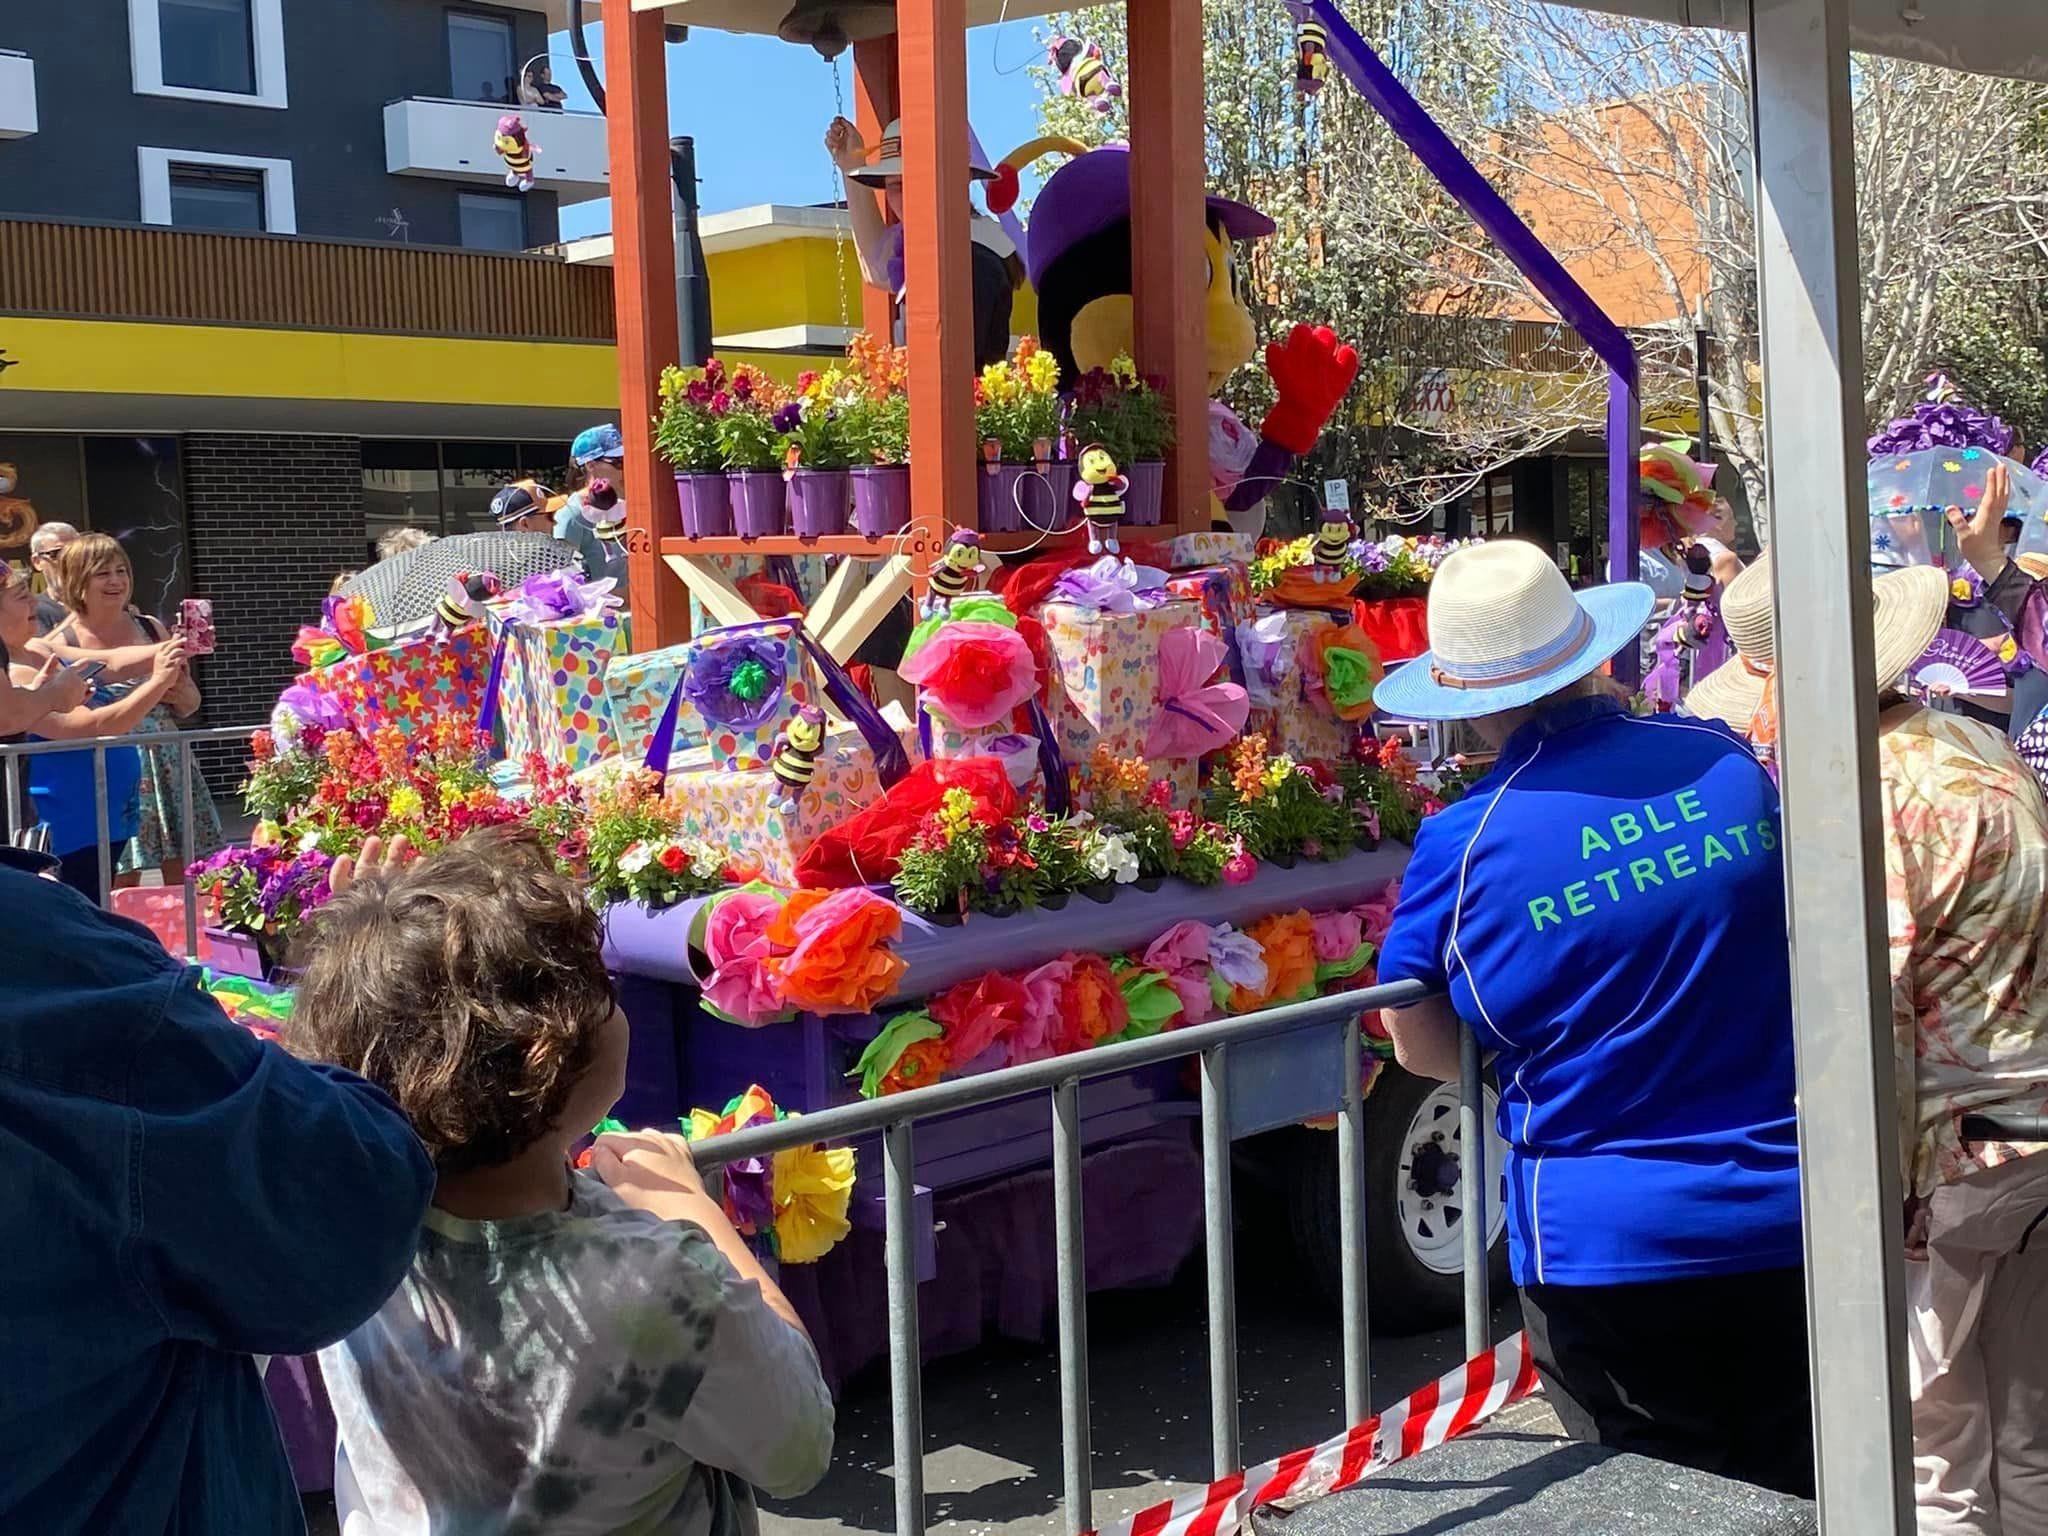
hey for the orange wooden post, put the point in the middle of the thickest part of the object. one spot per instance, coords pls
(938, 271)
(1167, 188)
(874, 108)
(644, 293)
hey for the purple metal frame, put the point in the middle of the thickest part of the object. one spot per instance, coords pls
(1458, 176)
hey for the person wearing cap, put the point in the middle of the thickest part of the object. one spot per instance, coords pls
(525, 506)
(1606, 912)
(596, 531)
(878, 245)
(1965, 837)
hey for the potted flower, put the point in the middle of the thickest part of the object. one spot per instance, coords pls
(815, 452)
(686, 434)
(1280, 810)
(752, 445)
(1128, 415)
(1017, 418)
(1394, 586)
(261, 894)
(876, 423)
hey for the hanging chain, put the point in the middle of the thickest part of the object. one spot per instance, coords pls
(841, 186)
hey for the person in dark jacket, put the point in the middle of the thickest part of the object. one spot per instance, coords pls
(177, 1198)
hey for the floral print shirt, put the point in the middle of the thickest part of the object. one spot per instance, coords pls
(1966, 887)
(594, 1371)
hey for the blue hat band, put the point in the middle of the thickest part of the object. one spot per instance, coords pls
(1517, 669)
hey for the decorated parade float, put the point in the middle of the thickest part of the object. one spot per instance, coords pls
(1050, 748)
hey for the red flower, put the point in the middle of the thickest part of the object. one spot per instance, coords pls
(673, 859)
(261, 747)
(978, 1014)
(1092, 1006)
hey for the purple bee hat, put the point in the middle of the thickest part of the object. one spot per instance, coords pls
(1093, 191)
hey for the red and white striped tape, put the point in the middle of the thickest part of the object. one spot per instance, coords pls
(1446, 1407)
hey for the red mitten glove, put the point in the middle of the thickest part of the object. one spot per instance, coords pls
(1311, 371)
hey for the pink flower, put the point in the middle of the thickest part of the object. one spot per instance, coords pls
(1181, 824)
(1159, 794)
(1032, 1038)
(1240, 868)
(1182, 955)
(721, 403)
(736, 944)
(1338, 935)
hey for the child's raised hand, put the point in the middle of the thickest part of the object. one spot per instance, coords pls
(643, 1163)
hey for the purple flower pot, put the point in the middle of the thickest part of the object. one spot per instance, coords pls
(998, 496)
(1147, 495)
(760, 509)
(881, 500)
(817, 502)
(235, 953)
(707, 505)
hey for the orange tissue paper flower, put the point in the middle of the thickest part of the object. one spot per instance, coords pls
(1288, 942)
(1092, 1005)
(833, 957)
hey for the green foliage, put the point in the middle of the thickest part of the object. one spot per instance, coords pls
(748, 439)
(876, 431)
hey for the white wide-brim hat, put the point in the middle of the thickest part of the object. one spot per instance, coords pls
(1909, 607)
(888, 161)
(1506, 629)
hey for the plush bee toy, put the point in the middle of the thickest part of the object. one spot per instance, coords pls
(1333, 545)
(1082, 72)
(957, 573)
(516, 150)
(1311, 57)
(795, 762)
(600, 506)
(463, 603)
(1099, 489)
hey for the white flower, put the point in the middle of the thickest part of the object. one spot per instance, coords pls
(308, 841)
(708, 864)
(1111, 857)
(635, 858)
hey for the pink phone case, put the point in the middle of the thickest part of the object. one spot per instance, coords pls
(195, 622)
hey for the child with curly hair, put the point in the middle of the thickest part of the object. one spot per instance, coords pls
(570, 1352)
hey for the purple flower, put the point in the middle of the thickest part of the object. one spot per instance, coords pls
(750, 1195)
(1236, 957)
(788, 417)
(738, 683)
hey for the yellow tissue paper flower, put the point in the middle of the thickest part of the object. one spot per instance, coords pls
(813, 1188)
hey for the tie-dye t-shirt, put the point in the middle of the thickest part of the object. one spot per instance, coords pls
(594, 1371)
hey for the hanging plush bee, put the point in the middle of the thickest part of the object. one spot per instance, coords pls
(1099, 489)
(599, 505)
(1333, 545)
(1311, 56)
(463, 603)
(1082, 72)
(516, 150)
(795, 762)
(957, 573)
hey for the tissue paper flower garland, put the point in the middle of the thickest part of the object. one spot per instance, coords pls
(1190, 974)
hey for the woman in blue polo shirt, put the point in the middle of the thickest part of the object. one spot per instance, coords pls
(1606, 911)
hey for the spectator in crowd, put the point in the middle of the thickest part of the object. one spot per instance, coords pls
(180, 1197)
(526, 506)
(44, 546)
(599, 453)
(1606, 912)
(597, 1351)
(401, 541)
(98, 584)
(537, 87)
(341, 579)
(60, 785)
(1966, 881)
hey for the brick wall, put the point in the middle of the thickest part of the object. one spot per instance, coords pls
(271, 518)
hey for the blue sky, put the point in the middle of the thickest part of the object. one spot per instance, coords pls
(758, 107)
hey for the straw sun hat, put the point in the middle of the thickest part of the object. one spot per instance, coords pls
(1911, 605)
(1506, 629)
(888, 161)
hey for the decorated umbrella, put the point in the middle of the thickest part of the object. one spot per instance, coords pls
(406, 588)
(1910, 493)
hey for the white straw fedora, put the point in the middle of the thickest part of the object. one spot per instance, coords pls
(888, 160)
(1909, 607)
(1506, 629)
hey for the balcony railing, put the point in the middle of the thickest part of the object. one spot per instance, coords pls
(182, 276)
(17, 94)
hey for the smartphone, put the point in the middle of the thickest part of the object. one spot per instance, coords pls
(195, 623)
(89, 670)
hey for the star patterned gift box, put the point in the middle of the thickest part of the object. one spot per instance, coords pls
(551, 696)
(411, 684)
(1104, 688)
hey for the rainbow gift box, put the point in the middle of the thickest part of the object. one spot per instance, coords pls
(1224, 595)
(738, 811)
(551, 696)
(639, 688)
(1103, 691)
(411, 683)
(1288, 709)
(1190, 551)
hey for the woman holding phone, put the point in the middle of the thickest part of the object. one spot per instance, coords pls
(97, 584)
(60, 784)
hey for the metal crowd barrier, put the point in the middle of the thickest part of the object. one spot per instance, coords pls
(895, 1117)
(180, 741)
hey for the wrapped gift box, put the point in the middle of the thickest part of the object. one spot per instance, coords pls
(1190, 550)
(738, 724)
(1017, 752)
(1294, 718)
(1103, 692)
(638, 690)
(551, 696)
(738, 811)
(1224, 595)
(412, 683)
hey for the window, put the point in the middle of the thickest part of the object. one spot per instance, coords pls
(197, 189)
(208, 45)
(480, 62)
(209, 50)
(217, 197)
(447, 487)
(491, 221)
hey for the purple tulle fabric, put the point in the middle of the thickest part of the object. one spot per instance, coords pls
(1940, 420)
(708, 680)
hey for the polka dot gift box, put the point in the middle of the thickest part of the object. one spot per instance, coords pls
(551, 696)
(740, 685)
